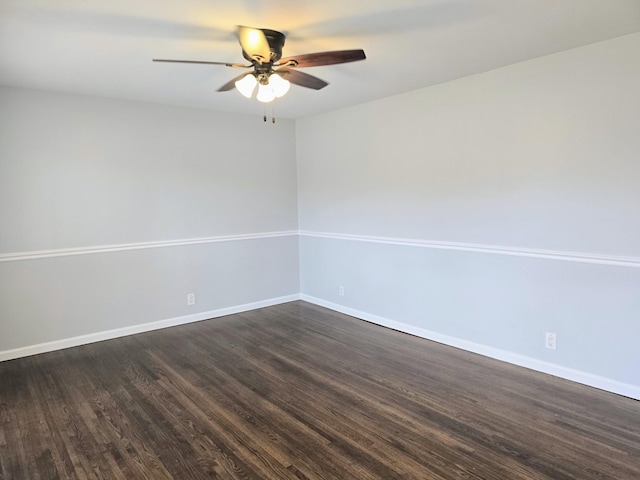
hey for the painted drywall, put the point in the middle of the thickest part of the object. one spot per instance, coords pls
(536, 156)
(80, 172)
(542, 154)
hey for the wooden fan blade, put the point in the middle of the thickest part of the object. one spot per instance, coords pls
(231, 84)
(323, 58)
(234, 65)
(254, 43)
(302, 79)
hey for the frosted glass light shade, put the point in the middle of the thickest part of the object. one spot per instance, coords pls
(265, 93)
(279, 85)
(246, 85)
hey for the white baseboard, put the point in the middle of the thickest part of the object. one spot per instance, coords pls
(602, 383)
(584, 378)
(145, 327)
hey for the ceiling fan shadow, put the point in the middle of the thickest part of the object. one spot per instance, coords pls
(399, 20)
(129, 25)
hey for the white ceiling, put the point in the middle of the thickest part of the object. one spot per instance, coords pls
(105, 48)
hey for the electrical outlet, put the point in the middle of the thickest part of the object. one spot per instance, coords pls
(341, 290)
(191, 298)
(550, 340)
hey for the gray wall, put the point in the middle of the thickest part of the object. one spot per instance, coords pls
(488, 211)
(79, 173)
(481, 213)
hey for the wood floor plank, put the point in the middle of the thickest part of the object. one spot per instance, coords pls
(296, 391)
(255, 425)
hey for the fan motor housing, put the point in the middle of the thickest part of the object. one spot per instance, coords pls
(276, 43)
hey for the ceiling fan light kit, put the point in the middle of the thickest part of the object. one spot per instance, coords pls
(247, 84)
(279, 85)
(265, 94)
(263, 48)
(270, 86)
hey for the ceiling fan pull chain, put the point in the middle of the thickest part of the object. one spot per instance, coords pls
(264, 113)
(273, 114)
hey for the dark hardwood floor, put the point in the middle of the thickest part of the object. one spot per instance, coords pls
(297, 391)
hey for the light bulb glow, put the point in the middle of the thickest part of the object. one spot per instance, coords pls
(246, 85)
(265, 93)
(279, 85)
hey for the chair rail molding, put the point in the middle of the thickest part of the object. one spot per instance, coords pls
(67, 252)
(598, 259)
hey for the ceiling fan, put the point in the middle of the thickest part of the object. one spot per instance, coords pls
(271, 73)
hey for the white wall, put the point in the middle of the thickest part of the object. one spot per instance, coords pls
(509, 205)
(79, 173)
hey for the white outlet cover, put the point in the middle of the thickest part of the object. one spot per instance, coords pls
(550, 340)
